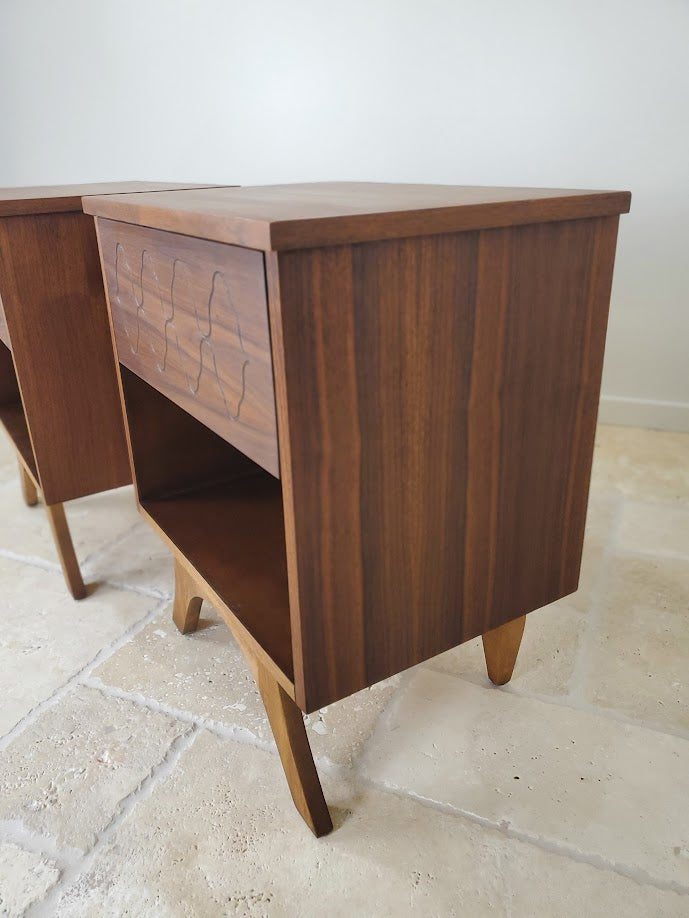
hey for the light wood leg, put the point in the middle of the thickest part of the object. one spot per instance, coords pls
(29, 492)
(65, 549)
(501, 646)
(286, 720)
(287, 724)
(187, 604)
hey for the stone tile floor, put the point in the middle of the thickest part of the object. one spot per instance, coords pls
(138, 776)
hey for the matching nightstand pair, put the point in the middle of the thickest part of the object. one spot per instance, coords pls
(361, 415)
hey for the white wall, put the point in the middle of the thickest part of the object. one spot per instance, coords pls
(579, 93)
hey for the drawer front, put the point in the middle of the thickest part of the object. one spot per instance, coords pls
(4, 334)
(191, 319)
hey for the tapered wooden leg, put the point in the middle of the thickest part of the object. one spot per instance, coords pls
(187, 605)
(65, 549)
(501, 646)
(286, 720)
(29, 492)
(287, 724)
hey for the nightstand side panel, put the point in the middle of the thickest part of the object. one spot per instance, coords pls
(437, 399)
(57, 319)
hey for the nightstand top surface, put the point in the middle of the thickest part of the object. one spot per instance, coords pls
(275, 217)
(52, 199)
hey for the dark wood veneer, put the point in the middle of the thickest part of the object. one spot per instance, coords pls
(280, 217)
(436, 357)
(63, 414)
(190, 317)
(438, 473)
(53, 299)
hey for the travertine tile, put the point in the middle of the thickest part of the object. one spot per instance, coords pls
(25, 877)
(569, 777)
(94, 521)
(543, 885)
(640, 659)
(221, 837)
(47, 637)
(654, 528)
(218, 833)
(65, 775)
(652, 464)
(601, 522)
(546, 659)
(205, 674)
(138, 559)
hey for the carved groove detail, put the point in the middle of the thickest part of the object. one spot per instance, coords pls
(157, 314)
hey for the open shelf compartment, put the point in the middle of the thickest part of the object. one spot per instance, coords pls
(233, 535)
(217, 509)
(12, 415)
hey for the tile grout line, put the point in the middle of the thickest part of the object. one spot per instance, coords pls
(560, 849)
(54, 568)
(76, 678)
(234, 734)
(14, 832)
(31, 560)
(588, 707)
(108, 546)
(71, 863)
(599, 862)
(245, 737)
(565, 701)
(574, 699)
(45, 907)
(160, 772)
(137, 590)
(166, 767)
(240, 735)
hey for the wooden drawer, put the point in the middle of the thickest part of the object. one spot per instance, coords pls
(4, 334)
(191, 319)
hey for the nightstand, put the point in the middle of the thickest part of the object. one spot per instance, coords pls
(59, 401)
(362, 417)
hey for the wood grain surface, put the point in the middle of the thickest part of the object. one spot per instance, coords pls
(288, 728)
(52, 199)
(437, 401)
(9, 388)
(13, 420)
(27, 485)
(190, 318)
(501, 646)
(221, 515)
(278, 217)
(233, 536)
(171, 452)
(54, 305)
(65, 549)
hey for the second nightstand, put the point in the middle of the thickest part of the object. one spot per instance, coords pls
(58, 390)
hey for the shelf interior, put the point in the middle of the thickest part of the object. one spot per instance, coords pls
(12, 415)
(233, 535)
(14, 422)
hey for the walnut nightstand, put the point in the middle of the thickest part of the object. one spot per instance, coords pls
(59, 401)
(362, 417)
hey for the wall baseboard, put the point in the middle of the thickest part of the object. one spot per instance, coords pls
(643, 412)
